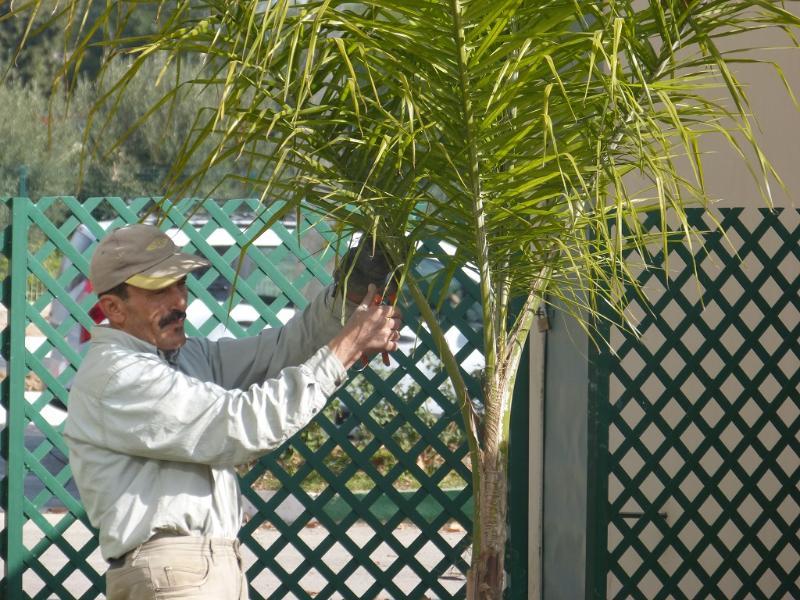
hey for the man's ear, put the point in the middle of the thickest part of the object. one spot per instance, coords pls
(113, 308)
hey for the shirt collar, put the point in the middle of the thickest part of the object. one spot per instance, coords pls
(107, 334)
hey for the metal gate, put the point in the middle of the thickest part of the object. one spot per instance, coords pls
(395, 428)
(694, 488)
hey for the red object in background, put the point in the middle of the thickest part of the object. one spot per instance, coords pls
(96, 313)
(379, 299)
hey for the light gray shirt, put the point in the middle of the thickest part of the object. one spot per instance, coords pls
(154, 437)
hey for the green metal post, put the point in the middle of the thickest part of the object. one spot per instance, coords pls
(13, 399)
(23, 182)
(597, 472)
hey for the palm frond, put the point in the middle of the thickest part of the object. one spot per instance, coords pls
(513, 129)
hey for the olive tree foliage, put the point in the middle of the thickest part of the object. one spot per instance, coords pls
(40, 143)
(67, 139)
(121, 154)
(511, 129)
(132, 143)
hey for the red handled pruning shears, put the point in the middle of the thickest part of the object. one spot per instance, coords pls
(385, 299)
(388, 298)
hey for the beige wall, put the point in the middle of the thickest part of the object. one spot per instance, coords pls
(778, 131)
(779, 123)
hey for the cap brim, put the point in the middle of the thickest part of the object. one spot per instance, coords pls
(168, 271)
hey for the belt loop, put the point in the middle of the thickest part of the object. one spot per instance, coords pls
(237, 552)
(133, 554)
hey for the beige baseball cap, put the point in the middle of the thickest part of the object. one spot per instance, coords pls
(142, 256)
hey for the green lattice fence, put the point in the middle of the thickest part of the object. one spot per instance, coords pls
(387, 451)
(695, 430)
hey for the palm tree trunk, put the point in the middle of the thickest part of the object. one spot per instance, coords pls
(486, 578)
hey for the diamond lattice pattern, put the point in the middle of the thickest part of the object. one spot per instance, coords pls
(394, 431)
(704, 483)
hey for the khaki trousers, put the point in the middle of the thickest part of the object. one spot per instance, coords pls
(178, 567)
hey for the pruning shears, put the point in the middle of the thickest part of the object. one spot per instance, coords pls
(379, 299)
(385, 298)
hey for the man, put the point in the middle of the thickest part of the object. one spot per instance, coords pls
(158, 421)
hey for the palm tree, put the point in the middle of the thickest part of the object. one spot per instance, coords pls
(530, 134)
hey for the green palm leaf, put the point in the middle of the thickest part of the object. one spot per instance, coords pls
(530, 134)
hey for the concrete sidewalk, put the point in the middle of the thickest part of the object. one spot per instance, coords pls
(265, 583)
(336, 558)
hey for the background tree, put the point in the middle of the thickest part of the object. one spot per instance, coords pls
(42, 138)
(530, 134)
(47, 130)
(43, 55)
(133, 143)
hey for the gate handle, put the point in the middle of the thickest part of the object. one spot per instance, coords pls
(639, 515)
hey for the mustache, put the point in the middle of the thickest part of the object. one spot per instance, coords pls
(173, 317)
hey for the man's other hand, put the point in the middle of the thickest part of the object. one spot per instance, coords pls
(361, 266)
(372, 328)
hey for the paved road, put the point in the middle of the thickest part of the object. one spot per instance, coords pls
(290, 559)
(54, 461)
(78, 535)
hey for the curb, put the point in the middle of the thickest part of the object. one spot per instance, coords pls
(383, 508)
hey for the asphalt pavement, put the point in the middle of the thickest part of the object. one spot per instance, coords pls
(266, 582)
(77, 535)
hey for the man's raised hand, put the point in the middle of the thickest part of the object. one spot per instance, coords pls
(372, 328)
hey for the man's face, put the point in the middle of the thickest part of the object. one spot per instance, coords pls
(156, 316)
